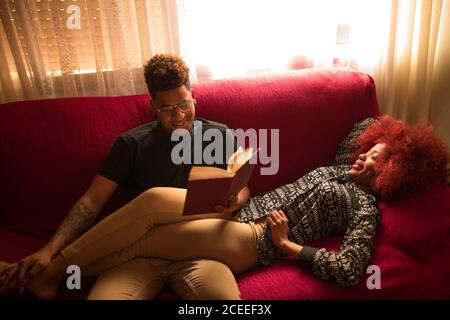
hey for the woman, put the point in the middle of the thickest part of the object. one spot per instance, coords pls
(394, 161)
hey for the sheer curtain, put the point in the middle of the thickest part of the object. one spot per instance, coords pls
(403, 44)
(414, 74)
(81, 47)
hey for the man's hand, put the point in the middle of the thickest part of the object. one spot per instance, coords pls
(279, 227)
(27, 268)
(5, 269)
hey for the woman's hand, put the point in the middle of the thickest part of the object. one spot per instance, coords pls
(279, 227)
(235, 202)
(232, 206)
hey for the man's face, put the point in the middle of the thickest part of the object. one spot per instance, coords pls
(175, 108)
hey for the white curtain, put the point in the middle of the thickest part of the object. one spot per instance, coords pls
(403, 44)
(81, 47)
(235, 38)
(413, 76)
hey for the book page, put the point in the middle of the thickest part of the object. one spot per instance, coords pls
(200, 173)
(233, 159)
(239, 158)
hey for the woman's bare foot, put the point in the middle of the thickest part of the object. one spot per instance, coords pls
(39, 285)
(45, 284)
(5, 269)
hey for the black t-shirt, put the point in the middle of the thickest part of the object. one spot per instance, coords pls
(141, 157)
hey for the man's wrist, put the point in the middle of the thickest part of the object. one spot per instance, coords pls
(52, 249)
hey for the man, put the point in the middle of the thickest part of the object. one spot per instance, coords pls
(141, 159)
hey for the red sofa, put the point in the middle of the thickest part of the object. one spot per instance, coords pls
(51, 149)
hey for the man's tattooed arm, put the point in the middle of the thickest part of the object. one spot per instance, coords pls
(82, 215)
(77, 221)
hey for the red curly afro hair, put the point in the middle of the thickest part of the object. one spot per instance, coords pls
(165, 72)
(416, 159)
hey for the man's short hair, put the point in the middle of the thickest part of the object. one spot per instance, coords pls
(165, 72)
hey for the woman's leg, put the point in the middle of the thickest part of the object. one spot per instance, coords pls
(137, 279)
(202, 279)
(231, 242)
(155, 206)
(144, 278)
(120, 229)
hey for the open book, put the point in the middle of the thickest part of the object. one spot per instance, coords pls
(210, 186)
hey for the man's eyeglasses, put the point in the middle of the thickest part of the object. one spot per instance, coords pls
(183, 106)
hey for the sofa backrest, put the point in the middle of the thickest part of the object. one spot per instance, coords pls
(50, 149)
(313, 109)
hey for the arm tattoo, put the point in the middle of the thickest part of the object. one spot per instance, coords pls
(77, 221)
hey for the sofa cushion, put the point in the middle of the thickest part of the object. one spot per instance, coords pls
(347, 147)
(419, 226)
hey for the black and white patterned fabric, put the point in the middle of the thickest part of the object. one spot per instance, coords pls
(347, 148)
(322, 202)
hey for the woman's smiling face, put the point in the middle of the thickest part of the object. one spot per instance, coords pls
(363, 170)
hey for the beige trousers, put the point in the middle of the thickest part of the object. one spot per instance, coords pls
(144, 278)
(128, 233)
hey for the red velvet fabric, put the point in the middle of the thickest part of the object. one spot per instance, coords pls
(51, 149)
(314, 111)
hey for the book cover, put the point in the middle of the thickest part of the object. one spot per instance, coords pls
(211, 186)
